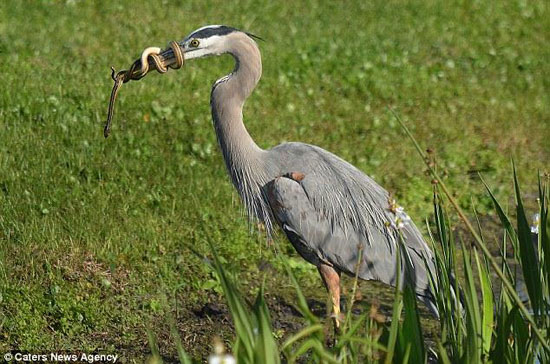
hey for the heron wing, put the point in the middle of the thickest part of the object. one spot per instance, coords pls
(317, 239)
(347, 197)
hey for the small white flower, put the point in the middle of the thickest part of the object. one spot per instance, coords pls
(221, 359)
(219, 356)
(398, 224)
(401, 217)
(535, 224)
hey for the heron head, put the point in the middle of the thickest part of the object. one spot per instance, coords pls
(210, 40)
(207, 41)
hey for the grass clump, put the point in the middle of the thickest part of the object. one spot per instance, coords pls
(477, 324)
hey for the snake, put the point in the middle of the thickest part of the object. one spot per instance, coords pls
(139, 69)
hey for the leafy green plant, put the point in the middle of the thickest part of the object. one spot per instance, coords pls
(254, 342)
(510, 332)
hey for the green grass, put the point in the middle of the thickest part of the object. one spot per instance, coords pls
(474, 329)
(93, 232)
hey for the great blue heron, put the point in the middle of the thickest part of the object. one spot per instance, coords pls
(329, 210)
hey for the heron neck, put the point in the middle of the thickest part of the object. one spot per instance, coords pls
(227, 101)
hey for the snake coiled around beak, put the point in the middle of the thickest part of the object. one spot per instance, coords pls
(152, 56)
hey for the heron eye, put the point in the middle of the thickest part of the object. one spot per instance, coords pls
(194, 43)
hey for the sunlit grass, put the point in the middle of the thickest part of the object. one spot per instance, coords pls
(93, 231)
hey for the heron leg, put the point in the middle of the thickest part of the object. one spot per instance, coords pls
(331, 278)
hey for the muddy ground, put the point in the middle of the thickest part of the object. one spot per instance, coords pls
(198, 324)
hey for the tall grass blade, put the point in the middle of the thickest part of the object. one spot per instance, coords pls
(397, 308)
(317, 348)
(487, 308)
(446, 286)
(302, 334)
(349, 333)
(265, 350)
(316, 338)
(521, 337)
(410, 335)
(443, 357)
(241, 318)
(473, 316)
(500, 212)
(544, 241)
(502, 333)
(182, 355)
(155, 355)
(394, 327)
(528, 255)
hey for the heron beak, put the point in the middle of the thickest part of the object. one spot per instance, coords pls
(172, 59)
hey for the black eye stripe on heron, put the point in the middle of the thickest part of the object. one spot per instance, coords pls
(220, 30)
(211, 31)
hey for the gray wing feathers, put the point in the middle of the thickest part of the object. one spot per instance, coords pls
(317, 239)
(346, 196)
(349, 197)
